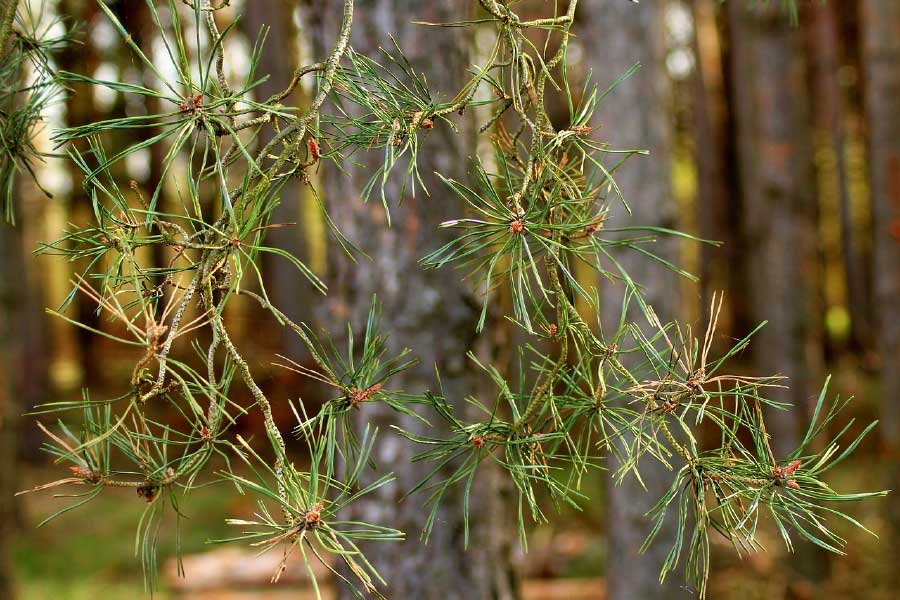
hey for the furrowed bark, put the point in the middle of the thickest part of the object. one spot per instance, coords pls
(637, 115)
(430, 311)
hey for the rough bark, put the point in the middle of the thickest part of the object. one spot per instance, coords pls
(431, 312)
(776, 183)
(881, 54)
(7, 16)
(637, 115)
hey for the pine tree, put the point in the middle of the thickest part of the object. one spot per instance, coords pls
(632, 389)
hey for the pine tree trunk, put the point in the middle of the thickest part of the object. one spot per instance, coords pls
(717, 210)
(23, 360)
(11, 360)
(81, 58)
(23, 375)
(823, 49)
(431, 312)
(284, 285)
(775, 186)
(637, 115)
(881, 47)
(776, 180)
(9, 409)
(23, 371)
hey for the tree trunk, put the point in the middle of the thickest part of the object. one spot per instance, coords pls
(287, 289)
(81, 58)
(823, 48)
(9, 409)
(23, 361)
(776, 188)
(12, 360)
(637, 115)
(717, 209)
(23, 376)
(881, 48)
(431, 312)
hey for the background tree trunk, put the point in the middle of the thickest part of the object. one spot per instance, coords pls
(80, 109)
(9, 409)
(881, 48)
(23, 377)
(823, 48)
(431, 312)
(23, 357)
(286, 288)
(776, 185)
(637, 115)
(717, 208)
(12, 359)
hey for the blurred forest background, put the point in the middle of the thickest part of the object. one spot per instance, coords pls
(781, 140)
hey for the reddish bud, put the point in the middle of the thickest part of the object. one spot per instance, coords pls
(478, 441)
(357, 396)
(82, 472)
(517, 226)
(791, 468)
(597, 224)
(314, 150)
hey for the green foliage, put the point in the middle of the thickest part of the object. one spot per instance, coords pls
(28, 87)
(534, 209)
(358, 377)
(310, 502)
